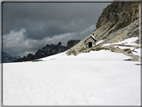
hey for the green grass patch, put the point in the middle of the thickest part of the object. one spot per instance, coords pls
(122, 25)
(136, 32)
(36, 60)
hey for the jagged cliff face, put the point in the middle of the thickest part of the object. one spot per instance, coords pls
(119, 11)
(118, 21)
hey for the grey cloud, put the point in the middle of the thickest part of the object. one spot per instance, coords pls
(55, 18)
(45, 23)
(16, 44)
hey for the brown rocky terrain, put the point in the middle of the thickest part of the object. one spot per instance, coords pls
(115, 12)
(118, 22)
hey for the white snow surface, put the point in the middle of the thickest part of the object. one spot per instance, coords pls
(95, 78)
(129, 41)
(99, 42)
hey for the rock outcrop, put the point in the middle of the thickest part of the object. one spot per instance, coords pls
(126, 11)
(118, 21)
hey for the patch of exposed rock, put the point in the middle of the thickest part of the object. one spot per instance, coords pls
(114, 12)
(119, 21)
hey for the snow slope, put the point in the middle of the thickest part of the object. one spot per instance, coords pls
(129, 41)
(95, 78)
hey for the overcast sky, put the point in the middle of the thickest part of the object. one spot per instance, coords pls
(30, 26)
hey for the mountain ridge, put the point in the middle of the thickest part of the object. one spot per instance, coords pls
(113, 31)
(48, 50)
(7, 58)
(115, 12)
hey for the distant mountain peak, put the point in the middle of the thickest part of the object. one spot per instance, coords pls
(8, 58)
(48, 50)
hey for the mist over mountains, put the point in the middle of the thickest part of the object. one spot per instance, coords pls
(7, 58)
(48, 50)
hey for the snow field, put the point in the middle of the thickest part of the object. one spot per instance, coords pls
(129, 41)
(95, 78)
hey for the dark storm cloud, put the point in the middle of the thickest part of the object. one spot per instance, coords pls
(48, 19)
(30, 26)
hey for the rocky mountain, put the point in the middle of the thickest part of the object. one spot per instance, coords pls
(48, 50)
(7, 58)
(71, 43)
(119, 21)
(126, 11)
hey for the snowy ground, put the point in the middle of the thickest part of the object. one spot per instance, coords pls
(129, 41)
(95, 78)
